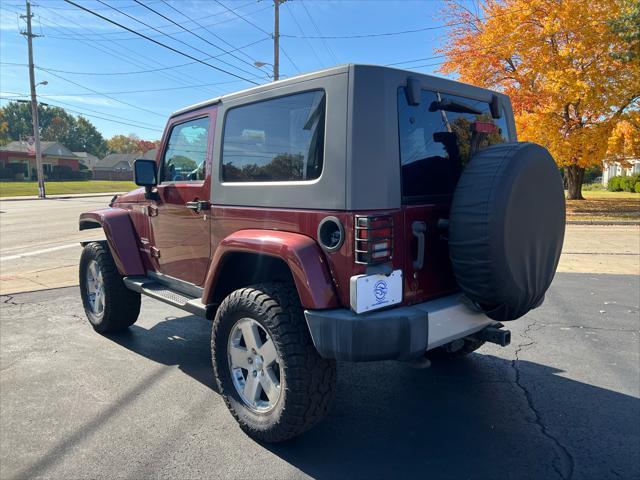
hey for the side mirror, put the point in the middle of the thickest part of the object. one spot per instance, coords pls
(145, 174)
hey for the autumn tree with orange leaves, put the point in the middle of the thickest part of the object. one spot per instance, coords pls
(565, 66)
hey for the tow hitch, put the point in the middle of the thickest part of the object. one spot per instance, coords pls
(495, 334)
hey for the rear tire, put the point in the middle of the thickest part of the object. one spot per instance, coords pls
(260, 335)
(109, 305)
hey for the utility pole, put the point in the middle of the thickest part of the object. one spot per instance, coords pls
(34, 103)
(276, 40)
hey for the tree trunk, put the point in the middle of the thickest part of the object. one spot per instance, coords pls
(574, 176)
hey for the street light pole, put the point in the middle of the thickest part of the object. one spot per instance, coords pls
(276, 40)
(34, 103)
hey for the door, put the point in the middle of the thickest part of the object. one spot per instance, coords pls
(438, 137)
(180, 214)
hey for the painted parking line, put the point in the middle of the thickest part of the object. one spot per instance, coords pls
(39, 252)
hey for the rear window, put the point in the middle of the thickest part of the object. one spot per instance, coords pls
(437, 139)
(275, 140)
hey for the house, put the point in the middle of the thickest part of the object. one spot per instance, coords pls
(119, 166)
(19, 157)
(87, 159)
(619, 168)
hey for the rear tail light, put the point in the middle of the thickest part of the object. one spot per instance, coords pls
(374, 239)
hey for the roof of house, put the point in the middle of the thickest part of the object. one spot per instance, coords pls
(114, 159)
(47, 148)
(87, 156)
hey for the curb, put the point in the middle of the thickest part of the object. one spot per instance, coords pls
(603, 222)
(61, 197)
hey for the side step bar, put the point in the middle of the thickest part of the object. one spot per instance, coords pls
(151, 288)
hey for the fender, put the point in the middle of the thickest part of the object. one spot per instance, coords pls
(121, 237)
(301, 253)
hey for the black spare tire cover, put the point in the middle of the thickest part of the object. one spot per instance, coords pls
(507, 227)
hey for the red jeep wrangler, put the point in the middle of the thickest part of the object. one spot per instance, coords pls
(357, 213)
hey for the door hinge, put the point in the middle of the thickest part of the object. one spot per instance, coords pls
(152, 210)
(155, 252)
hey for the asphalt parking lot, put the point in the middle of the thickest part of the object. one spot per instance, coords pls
(561, 402)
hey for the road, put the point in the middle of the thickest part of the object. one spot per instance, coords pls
(561, 402)
(39, 243)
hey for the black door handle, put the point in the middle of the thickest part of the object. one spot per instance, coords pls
(198, 205)
(418, 229)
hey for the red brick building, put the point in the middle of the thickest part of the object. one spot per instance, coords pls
(22, 153)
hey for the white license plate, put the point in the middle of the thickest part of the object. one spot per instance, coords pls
(370, 292)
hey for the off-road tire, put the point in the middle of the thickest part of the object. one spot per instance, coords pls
(307, 381)
(121, 305)
(444, 353)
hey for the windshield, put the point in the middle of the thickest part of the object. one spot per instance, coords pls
(438, 138)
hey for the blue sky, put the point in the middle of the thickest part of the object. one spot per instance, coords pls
(75, 41)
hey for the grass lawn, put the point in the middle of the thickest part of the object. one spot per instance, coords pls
(602, 205)
(16, 189)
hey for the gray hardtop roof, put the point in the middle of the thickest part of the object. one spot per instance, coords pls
(313, 75)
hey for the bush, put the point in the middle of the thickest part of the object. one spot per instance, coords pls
(6, 173)
(614, 184)
(19, 168)
(624, 184)
(61, 172)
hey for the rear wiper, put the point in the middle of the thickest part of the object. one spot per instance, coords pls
(453, 106)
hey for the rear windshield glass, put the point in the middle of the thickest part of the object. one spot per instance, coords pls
(275, 140)
(437, 139)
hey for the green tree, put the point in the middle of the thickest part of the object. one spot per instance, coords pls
(627, 27)
(124, 144)
(56, 125)
(4, 130)
(89, 139)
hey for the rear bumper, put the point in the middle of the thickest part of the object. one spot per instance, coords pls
(400, 333)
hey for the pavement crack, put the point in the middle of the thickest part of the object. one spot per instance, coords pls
(583, 327)
(563, 464)
(10, 300)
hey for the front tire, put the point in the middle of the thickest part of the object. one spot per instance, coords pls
(109, 305)
(270, 375)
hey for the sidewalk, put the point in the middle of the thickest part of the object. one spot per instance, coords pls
(61, 196)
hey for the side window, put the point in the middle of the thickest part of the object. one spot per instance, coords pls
(275, 140)
(185, 157)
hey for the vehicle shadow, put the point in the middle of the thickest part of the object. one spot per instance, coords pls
(480, 417)
(180, 341)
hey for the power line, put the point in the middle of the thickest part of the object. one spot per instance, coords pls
(107, 96)
(415, 60)
(127, 7)
(315, 26)
(159, 43)
(136, 72)
(166, 89)
(166, 24)
(171, 36)
(53, 97)
(259, 28)
(129, 57)
(244, 19)
(401, 32)
(315, 53)
(212, 33)
(93, 116)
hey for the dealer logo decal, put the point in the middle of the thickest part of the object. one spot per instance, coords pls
(380, 290)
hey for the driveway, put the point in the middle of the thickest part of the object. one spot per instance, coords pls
(561, 402)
